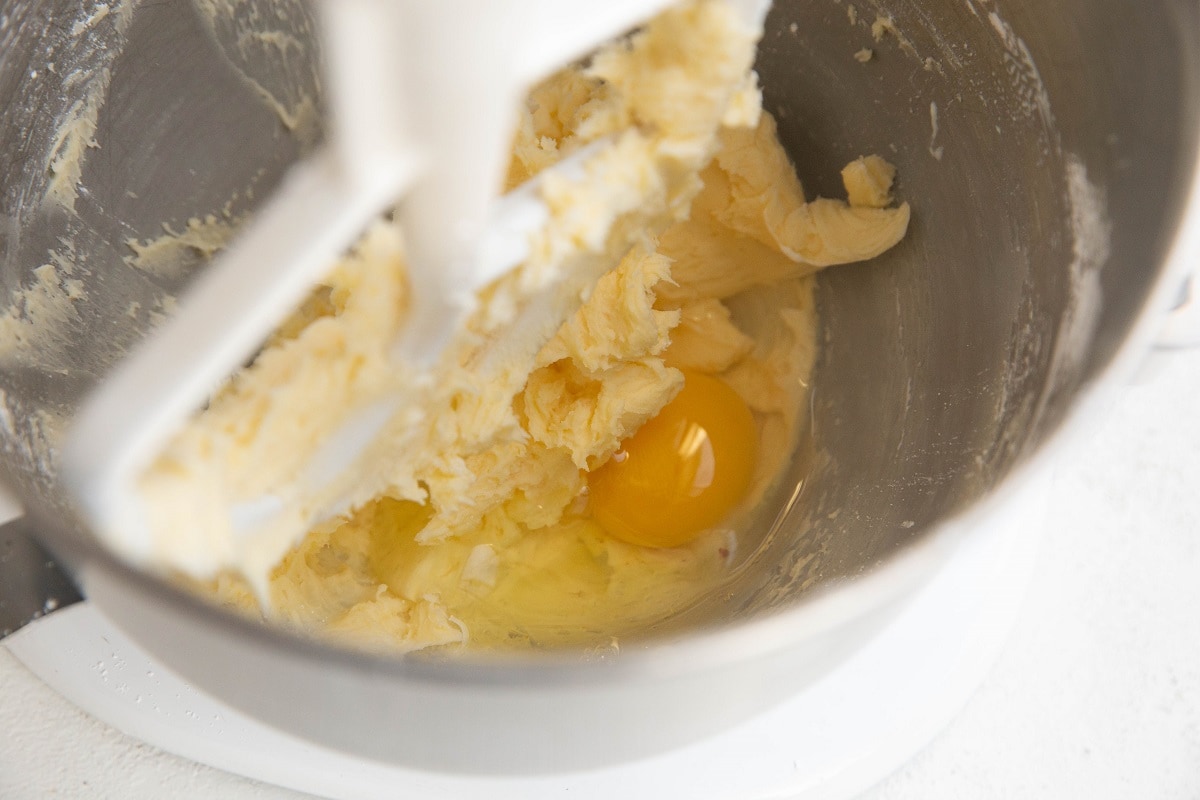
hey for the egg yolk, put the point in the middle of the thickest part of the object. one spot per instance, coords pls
(682, 472)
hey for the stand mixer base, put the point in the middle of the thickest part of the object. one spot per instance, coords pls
(832, 741)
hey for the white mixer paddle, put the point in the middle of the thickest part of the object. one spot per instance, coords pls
(423, 104)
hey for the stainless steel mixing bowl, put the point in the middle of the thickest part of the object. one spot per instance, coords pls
(1049, 153)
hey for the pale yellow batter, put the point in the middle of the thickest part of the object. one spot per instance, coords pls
(471, 522)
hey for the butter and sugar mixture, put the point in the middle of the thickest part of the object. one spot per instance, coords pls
(581, 464)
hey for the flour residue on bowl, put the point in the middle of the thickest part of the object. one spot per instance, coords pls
(76, 135)
(1091, 232)
(936, 150)
(173, 253)
(39, 321)
(96, 37)
(29, 436)
(885, 25)
(1023, 72)
(261, 42)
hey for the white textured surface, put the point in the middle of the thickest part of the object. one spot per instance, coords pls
(1097, 695)
(51, 750)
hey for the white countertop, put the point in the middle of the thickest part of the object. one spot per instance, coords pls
(1096, 695)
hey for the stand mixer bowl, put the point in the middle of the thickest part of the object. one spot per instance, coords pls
(1049, 153)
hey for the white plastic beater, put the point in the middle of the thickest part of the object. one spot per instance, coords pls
(423, 100)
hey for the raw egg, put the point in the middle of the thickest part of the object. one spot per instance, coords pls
(682, 472)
